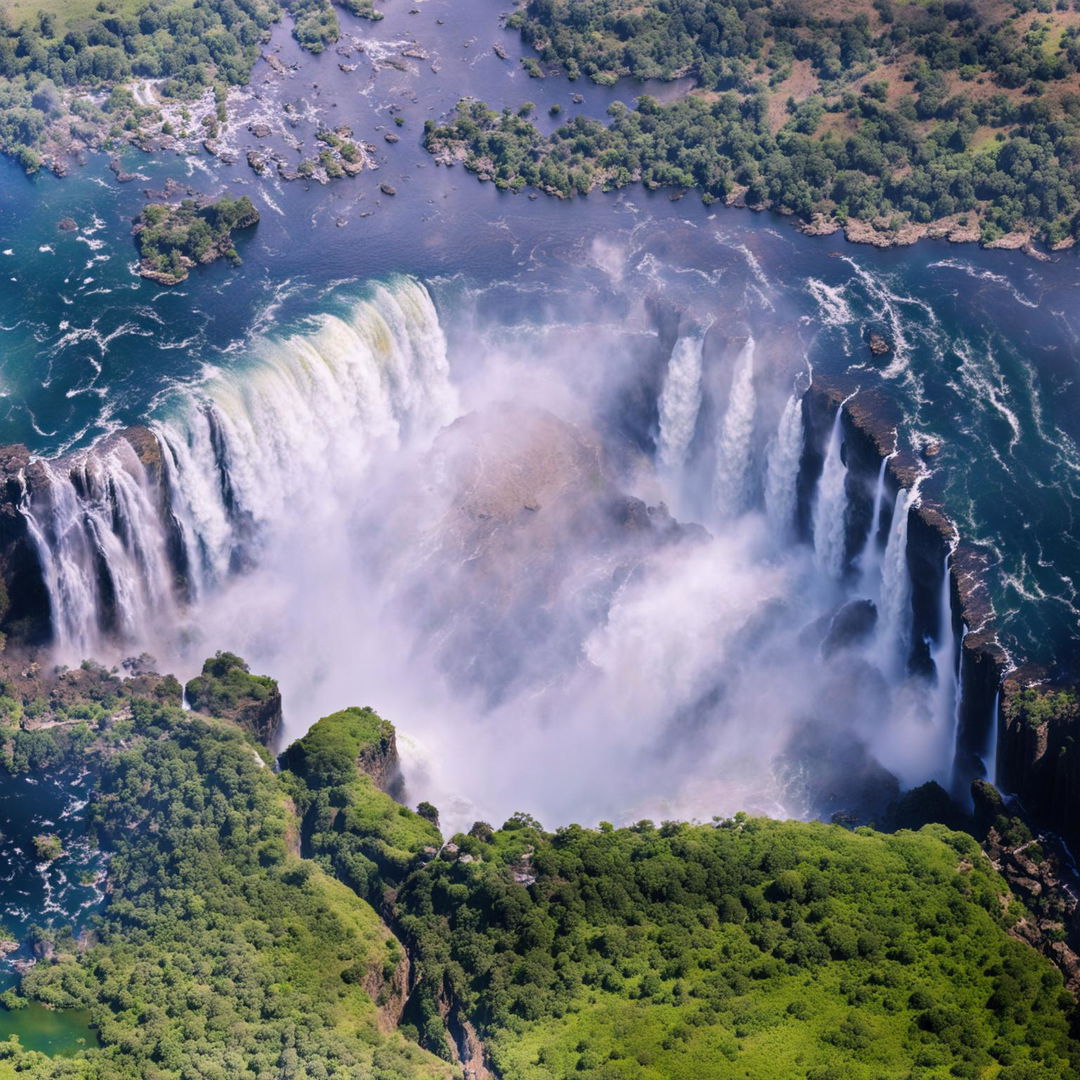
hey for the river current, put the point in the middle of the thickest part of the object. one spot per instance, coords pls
(488, 296)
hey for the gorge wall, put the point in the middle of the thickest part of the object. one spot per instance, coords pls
(100, 548)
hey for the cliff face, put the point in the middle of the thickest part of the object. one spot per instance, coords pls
(228, 690)
(26, 482)
(24, 600)
(1038, 756)
(869, 424)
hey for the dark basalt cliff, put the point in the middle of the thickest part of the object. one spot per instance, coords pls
(1037, 760)
(1038, 755)
(24, 600)
(29, 483)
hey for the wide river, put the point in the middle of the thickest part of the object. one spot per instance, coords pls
(986, 345)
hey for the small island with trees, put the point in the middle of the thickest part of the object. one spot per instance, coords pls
(173, 239)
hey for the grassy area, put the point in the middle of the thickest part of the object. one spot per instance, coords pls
(350, 824)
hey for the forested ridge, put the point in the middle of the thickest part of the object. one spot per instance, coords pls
(305, 924)
(966, 114)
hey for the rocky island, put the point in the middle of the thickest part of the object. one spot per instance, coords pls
(174, 239)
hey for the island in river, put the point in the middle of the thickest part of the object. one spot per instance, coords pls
(173, 239)
(892, 121)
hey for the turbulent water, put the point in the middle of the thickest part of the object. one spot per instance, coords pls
(374, 508)
(400, 448)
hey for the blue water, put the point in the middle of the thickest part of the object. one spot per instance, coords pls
(986, 343)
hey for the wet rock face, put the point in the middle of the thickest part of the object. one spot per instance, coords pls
(850, 626)
(870, 425)
(1041, 872)
(1038, 757)
(24, 601)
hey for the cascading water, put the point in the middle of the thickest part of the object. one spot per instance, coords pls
(99, 533)
(894, 623)
(990, 753)
(830, 506)
(782, 472)
(731, 481)
(680, 400)
(458, 573)
(944, 653)
(286, 436)
(870, 556)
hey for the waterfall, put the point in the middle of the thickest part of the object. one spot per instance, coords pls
(282, 437)
(894, 624)
(100, 536)
(782, 471)
(870, 554)
(830, 505)
(943, 652)
(680, 400)
(990, 753)
(731, 481)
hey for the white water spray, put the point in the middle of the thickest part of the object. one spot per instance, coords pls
(870, 556)
(830, 506)
(680, 400)
(731, 482)
(894, 623)
(285, 437)
(990, 753)
(943, 652)
(97, 526)
(782, 472)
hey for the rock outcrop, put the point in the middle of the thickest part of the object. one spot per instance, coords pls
(227, 689)
(1038, 755)
(871, 423)
(24, 600)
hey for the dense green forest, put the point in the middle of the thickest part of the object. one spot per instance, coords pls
(173, 239)
(221, 953)
(264, 925)
(891, 113)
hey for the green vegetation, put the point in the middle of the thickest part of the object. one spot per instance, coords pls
(51, 56)
(753, 948)
(45, 58)
(317, 23)
(1039, 707)
(234, 944)
(173, 239)
(221, 954)
(336, 775)
(227, 689)
(892, 114)
(48, 846)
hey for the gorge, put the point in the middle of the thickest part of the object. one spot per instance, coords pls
(861, 593)
(727, 559)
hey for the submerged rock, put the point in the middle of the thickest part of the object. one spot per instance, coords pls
(850, 626)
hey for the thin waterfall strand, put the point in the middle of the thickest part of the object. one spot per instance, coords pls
(731, 482)
(894, 625)
(990, 753)
(782, 472)
(830, 506)
(680, 401)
